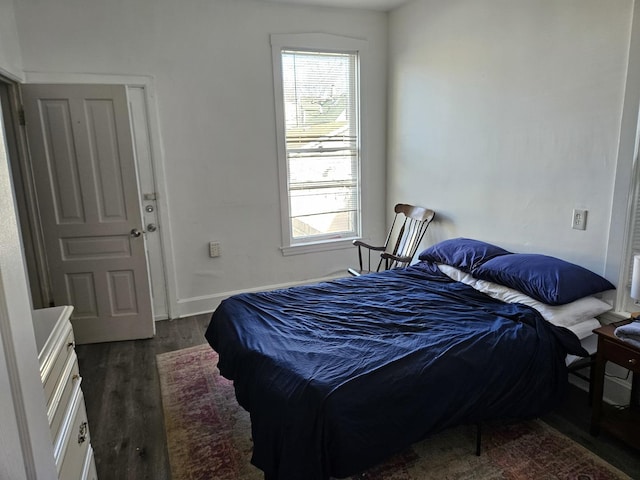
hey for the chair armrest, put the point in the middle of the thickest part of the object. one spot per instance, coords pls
(395, 258)
(360, 243)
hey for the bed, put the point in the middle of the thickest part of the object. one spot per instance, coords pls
(339, 375)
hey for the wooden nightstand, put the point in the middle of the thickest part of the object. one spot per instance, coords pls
(622, 423)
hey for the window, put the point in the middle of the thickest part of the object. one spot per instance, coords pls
(627, 303)
(317, 108)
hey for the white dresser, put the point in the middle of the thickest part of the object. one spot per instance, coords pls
(65, 403)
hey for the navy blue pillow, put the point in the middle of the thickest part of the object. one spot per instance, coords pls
(462, 253)
(547, 279)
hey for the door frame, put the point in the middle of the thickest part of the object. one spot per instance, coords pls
(157, 163)
(26, 206)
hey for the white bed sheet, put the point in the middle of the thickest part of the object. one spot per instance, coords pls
(590, 344)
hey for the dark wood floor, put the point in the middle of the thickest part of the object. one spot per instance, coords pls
(122, 395)
(573, 419)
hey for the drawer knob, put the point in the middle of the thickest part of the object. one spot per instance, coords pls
(633, 361)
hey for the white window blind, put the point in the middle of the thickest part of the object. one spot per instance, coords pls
(320, 106)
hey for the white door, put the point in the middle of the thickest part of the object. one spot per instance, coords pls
(85, 178)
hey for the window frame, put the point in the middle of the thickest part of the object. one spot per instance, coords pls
(312, 42)
(629, 243)
(624, 302)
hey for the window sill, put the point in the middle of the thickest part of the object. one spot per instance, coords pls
(317, 247)
(613, 316)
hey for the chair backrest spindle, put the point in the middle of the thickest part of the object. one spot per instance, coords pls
(410, 233)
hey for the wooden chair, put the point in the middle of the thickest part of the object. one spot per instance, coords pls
(412, 225)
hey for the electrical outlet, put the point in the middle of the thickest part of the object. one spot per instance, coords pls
(579, 219)
(214, 249)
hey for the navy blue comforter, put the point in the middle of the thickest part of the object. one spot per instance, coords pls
(339, 375)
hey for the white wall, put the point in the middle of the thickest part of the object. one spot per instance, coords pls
(10, 57)
(505, 115)
(211, 63)
(26, 450)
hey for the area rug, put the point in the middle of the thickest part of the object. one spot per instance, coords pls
(209, 438)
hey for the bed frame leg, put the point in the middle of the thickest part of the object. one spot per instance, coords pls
(478, 439)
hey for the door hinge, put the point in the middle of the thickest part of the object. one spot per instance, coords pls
(21, 119)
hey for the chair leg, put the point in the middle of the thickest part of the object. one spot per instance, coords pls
(478, 439)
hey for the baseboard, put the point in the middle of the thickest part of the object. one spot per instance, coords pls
(208, 303)
(617, 391)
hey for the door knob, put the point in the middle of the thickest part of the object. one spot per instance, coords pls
(135, 232)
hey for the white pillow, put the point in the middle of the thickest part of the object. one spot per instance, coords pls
(584, 329)
(562, 315)
(457, 274)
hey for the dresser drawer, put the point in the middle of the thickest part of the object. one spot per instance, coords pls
(621, 355)
(55, 363)
(61, 382)
(65, 391)
(72, 445)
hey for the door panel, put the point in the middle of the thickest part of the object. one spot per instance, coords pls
(85, 176)
(105, 159)
(58, 135)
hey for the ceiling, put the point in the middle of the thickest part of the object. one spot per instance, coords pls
(382, 5)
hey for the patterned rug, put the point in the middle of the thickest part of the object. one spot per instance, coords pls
(209, 437)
